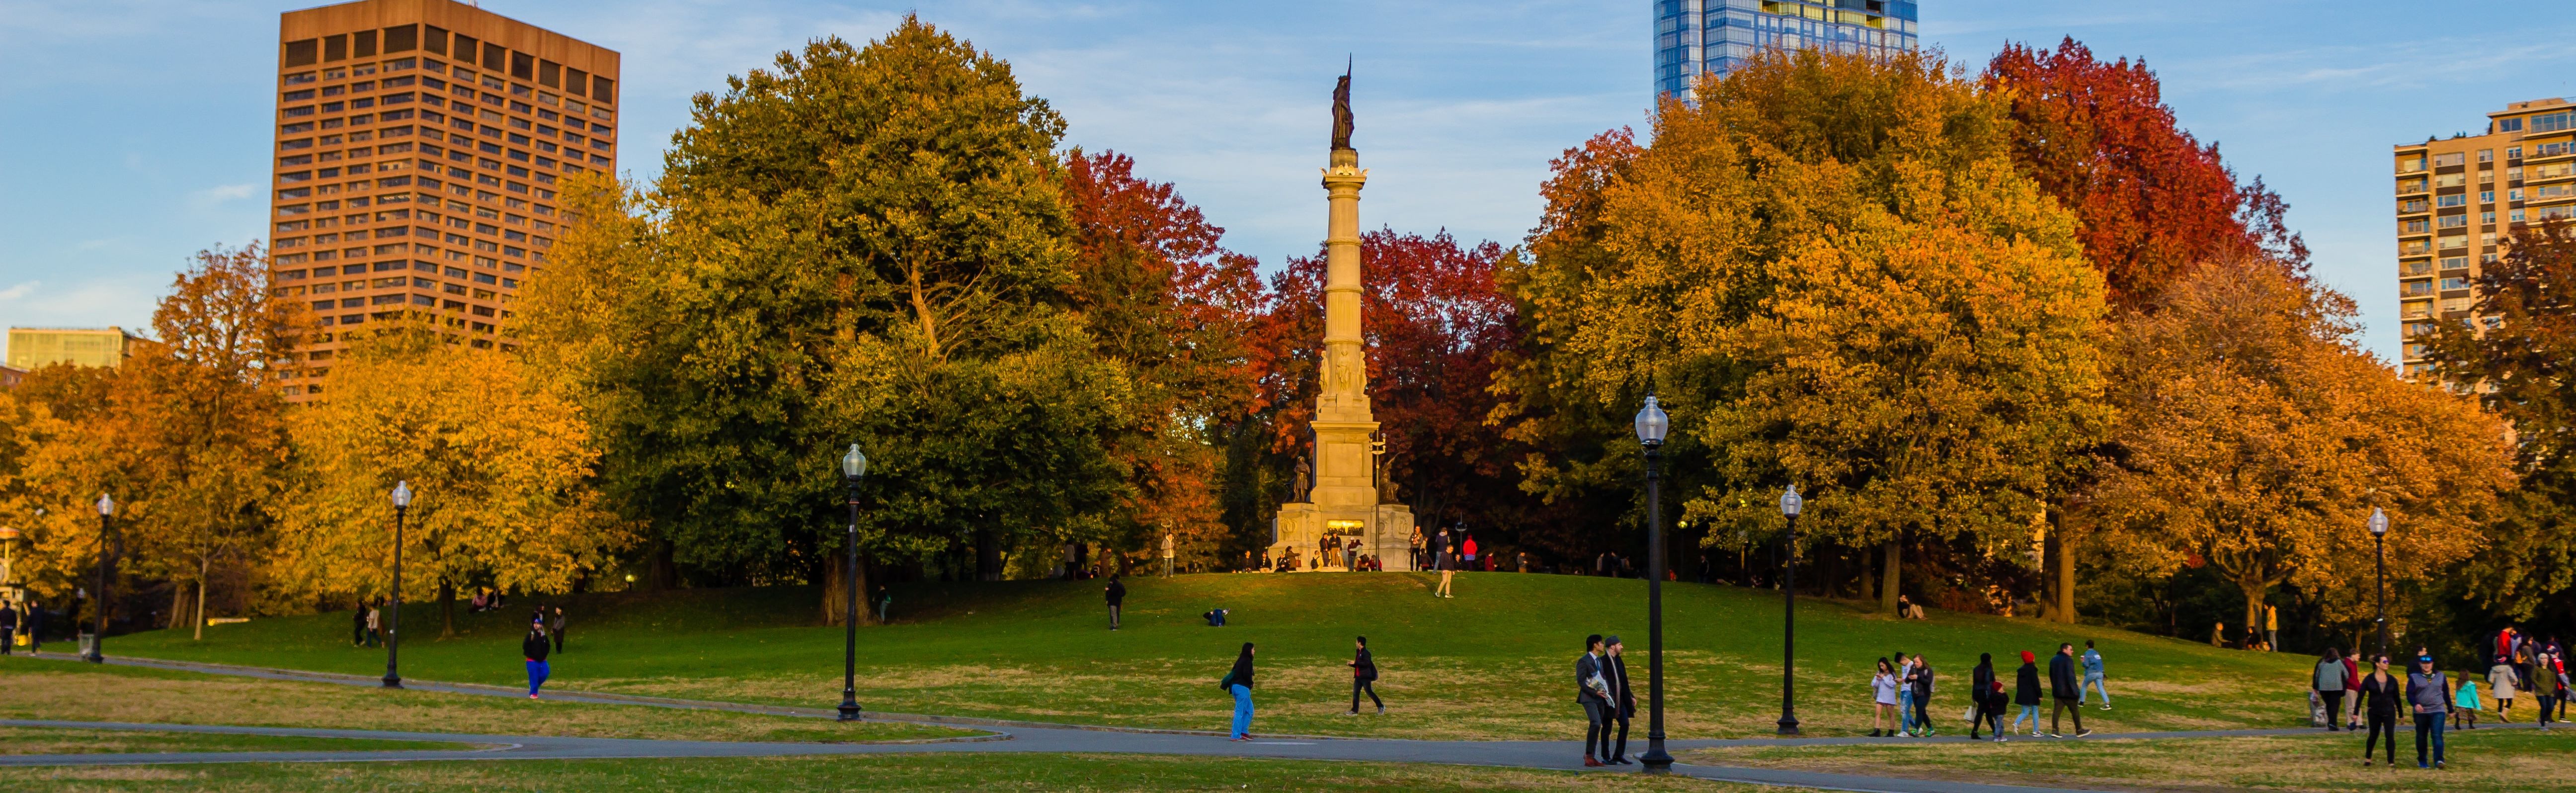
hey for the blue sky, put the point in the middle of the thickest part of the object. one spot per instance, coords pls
(133, 133)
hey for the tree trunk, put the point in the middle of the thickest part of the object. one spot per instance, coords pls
(2065, 572)
(178, 603)
(661, 573)
(836, 592)
(446, 610)
(1891, 554)
(197, 616)
(988, 557)
(2254, 592)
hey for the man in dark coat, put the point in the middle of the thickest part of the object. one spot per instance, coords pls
(1623, 700)
(2065, 687)
(8, 628)
(1117, 593)
(1592, 691)
(1364, 678)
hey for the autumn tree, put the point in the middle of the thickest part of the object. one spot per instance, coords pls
(859, 245)
(2152, 201)
(2256, 439)
(2516, 358)
(501, 466)
(1158, 293)
(1832, 274)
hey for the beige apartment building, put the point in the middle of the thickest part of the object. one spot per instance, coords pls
(419, 148)
(2457, 199)
(36, 348)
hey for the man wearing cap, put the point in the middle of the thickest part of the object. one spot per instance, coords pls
(2424, 691)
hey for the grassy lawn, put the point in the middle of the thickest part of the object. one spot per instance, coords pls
(1494, 662)
(31, 689)
(982, 772)
(2506, 761)
(48, 740)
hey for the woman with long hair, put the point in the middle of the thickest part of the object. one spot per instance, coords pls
(1882, 689)
(1238, 681)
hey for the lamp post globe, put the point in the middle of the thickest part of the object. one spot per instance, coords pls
(1790, 505)
(854, 465)
(1652, 424)
(401, 497)
(2379, 579)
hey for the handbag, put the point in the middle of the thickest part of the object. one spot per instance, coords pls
(1226, 683)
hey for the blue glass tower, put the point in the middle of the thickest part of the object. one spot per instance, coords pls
(1693, 37)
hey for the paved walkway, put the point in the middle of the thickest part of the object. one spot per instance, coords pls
(1007, 736)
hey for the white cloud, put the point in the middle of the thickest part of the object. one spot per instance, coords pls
(222, 193)
(19, 290)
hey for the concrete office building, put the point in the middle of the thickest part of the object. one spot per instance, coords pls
(33, 348)
(420, 147)
(1695, 37)
(2459, 197)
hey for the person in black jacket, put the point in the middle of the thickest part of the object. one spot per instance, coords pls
(1623, 699)
(535, 647)
(1986, 693)
(2026, 693)
(1363, 676)
(2379, 696)
(8, 627)
(1922, 696)
(1117, 592)
(1592, 691)
(2064, 686)
(1238, 681)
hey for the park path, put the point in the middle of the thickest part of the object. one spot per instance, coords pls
(1006, 736)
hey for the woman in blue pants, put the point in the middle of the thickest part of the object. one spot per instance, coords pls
(535, 647)
(1239, 683)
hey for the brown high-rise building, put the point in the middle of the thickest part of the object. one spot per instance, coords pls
(420, 145)
(2458, 197)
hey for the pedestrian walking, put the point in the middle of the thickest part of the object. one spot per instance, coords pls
(2465, 707)
(2352, 675)
(1445, 557)
(2067, 690)
(1905, 695)
(1882, 697)
(375, 622)
(1985, 698)
(1592, 691)
(2329, 681)
(36, 616)
(2505, 680)
(1117, 592)
(558, 629)
(535, 647)
(1364, 678)
(2026, 692)
(2093, 674)
(1238, 681)
(1623, 698)
(8, 628)
(2379, 696)
(2424, 689)
(1923, 697)
(358, 625)
(2542, 678)
(2272, 628)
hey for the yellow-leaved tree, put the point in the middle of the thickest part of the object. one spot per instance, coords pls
(499, 466)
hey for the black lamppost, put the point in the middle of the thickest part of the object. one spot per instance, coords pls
(1651, 426)
(393, 614)
(1789, 506)
(853, 466)
(98, 604)
(2379, 537)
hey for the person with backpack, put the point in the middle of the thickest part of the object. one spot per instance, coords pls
(2026, 692)
(1117, 593)
(1985, 698)
(2329, 681)
(2069, 692)
(2093, 675)
(534, 647)
(1238, 681)
(2379, 696)
(1592, 691)
(1363, 676)
(2424, 688)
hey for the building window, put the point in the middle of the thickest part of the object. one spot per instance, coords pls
(2455, 282)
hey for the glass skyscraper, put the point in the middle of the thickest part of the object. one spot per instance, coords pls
(1716, 36)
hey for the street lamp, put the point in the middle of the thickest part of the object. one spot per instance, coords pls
(1790, 503)
(98, 608)
(393, 615)
(1651, 426)
(2379, 537)
(853, 466)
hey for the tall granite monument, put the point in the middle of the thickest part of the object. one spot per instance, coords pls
(1346, 500)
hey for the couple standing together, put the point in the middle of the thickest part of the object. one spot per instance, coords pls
(1601, 686)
